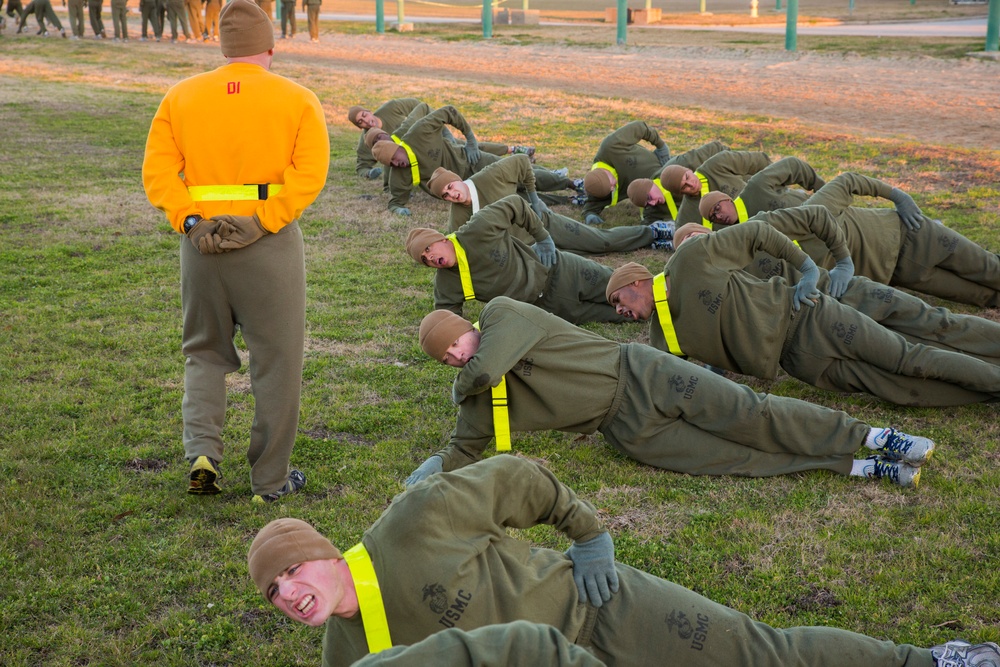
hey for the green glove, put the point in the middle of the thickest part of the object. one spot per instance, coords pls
(205, 237)
(662, 154)
(472, 152)
(546, 252)
(431, 466)
(840, 276)
(400, 210)
(242, 231)
(907, 209)
(374, 172)
(594, 569)
(805, 289)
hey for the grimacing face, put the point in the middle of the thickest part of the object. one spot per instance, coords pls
(457, 192)
(308, 592)
(439, 255)
(635, 300)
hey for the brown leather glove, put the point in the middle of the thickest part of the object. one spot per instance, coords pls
(205, 236)
(239, 231)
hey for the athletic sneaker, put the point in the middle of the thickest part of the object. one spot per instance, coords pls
(898, 446)
(578, 186)
(204, 476)
(526, 150)
(296, 480)
(564, 172)
(960, 653)
(905, 475)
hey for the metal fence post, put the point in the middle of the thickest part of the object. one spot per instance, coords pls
(791, 25)
(622, 20)
(380, 16)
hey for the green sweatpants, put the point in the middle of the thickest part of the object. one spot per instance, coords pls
(575, 291)
(260, 289)
(651, 621)
(75, 8)
(679, 416)
(939, 261)
(833, 346)
(918, 322)
(574, 236)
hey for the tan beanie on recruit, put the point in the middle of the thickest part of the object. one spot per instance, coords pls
(439, 329)
(597, 184)
(282, 543)
(626, 275)
(440, 178)
(671, 177)
(352, 113)
(372, 136)
(687, 230)
(638, 191)
(244, 30)
(418, 239)
(709, 201)
(384, 150)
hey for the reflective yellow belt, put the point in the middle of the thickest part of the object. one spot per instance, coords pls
(501, 417)
(250, 192)
(741, 210)
(668, 197)
(614, 191)
(663, 313)
(414, 166)
(704, 191)
(369, 598)
(463, 268)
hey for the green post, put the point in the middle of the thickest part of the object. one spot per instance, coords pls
(850, 6)
(487, 19)
(777, 5)
(380, 16)
(993, 27)
(399, 12)
(622, 20)
(791, 25)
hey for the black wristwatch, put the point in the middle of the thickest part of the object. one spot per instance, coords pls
(190, 222)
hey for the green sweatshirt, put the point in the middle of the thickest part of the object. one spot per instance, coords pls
(514, 174)
(392, 114)
(622, 151)
(768, 190)
(726, 172)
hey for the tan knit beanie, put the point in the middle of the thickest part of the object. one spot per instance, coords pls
(638, 191)
(374, 135)
(685, 231)
(352, 113)
(244, 30)
(418, 239)
(282, 543)
(597, 184)
(438, 330)
(626, 275)
(671, 177)
(384, 150)
(709, 201)
(440, 178)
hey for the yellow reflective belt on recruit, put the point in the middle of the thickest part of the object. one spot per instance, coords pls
(741, 210)
(501, 417)
(251, 192)
(414, 167)
(463, 268)
(663, 313)
(667, 197)
(614, 191)
(369, 598)
(704, 191)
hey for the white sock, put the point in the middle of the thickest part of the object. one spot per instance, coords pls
(874, 435)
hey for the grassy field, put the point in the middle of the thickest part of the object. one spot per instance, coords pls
(108, 562)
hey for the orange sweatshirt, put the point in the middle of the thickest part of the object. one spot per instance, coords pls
(239, 124)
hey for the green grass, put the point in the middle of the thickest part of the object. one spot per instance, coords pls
(108, 562)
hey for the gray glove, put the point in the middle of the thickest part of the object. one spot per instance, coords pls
(374, 172)
(593, 219)
(400, 210)
(662, 154)
(907, 209)
(537, 205)
(805, 289)
(472, 152)
(594, 569)
(431, 466)
(446, 133)
(546, 252)
(840, 276)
